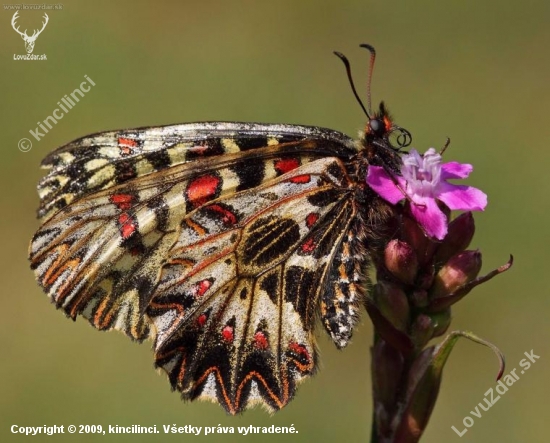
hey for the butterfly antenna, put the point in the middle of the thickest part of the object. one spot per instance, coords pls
(371, 69)
(447, 143)
(350, 78)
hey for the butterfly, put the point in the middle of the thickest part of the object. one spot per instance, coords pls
(223, 242)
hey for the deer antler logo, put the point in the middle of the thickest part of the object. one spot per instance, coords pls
(29, 40)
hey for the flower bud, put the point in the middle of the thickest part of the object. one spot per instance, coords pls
(441, 321)
(395, 338)
(426, 277)
(392, 303)
(423, 245)
(440, 303)
(459, 270)
(400, 259)
(419, 298)
(422, 330)
(459, 236)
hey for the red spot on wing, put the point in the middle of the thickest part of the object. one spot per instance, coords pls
(227, 217)
(201, 319)
(227, 334)
(260, 340)
(123, 218)
(202, 286)
(198, 149)
(308, 246)
(299, 350)
(305, 178)
(126, 144)
(127, 230)
(127, 225)
(202, 189)
(122, 201)
(311, 219)
(286, 164)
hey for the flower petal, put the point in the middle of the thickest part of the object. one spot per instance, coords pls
(379, 180)
(429, 216)
(460, 197)
(455, 170)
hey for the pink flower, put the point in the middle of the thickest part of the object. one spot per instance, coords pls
(424, 180)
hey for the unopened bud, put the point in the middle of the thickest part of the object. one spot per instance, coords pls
(460, 234)
(441, 321)
(459, 270)
(422, 330)
(440, 303)
(426, 277)
(392, 303)
(419, 298)
(400, 259)
(423, 245)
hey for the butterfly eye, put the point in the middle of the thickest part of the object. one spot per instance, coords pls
(377, 127)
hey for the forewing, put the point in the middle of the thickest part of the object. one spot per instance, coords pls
(101, 161)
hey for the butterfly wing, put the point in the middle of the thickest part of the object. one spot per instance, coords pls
(237, 297)
(106, 159)
(222, 251)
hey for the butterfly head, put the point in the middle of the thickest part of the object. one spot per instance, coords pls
(380, 124)
(380, 129)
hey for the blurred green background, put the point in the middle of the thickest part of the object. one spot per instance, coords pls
(476, 71)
